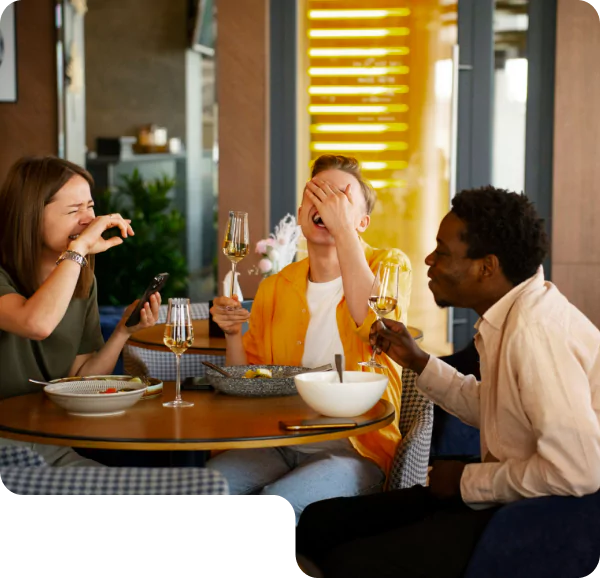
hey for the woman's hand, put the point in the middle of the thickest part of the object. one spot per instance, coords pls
(229, 314)
(90, 241)
(148, 315)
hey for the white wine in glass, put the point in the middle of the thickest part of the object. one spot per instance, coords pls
(384, 297)
(178, 337)
(236, 244)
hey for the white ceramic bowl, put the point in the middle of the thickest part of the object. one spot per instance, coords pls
(82, 397)
(324, 393)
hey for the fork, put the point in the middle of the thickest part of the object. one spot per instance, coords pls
(217, 368)
(326, 367)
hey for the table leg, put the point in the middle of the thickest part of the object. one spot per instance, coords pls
(188, 458)
(146, 459)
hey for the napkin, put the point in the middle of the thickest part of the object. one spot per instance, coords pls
(236, 287)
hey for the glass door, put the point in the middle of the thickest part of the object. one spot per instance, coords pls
(379, 84)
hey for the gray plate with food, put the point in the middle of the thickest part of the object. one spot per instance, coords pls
(256, 380)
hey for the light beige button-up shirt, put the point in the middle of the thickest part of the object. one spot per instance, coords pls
(538, 403)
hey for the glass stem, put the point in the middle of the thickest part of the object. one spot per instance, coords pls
(178, 382)
(232, 279)
(373, 353)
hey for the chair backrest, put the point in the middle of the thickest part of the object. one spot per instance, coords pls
(161, 364)
(414, 403)
(19, 457)
(25, 472)
(416, 424)
(197, 311)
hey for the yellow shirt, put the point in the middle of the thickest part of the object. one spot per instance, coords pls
(278, 324)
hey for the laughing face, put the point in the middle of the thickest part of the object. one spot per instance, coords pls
(69, 212)
(455, 278)
(309, 219)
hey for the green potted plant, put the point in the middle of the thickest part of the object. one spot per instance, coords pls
(125, 271)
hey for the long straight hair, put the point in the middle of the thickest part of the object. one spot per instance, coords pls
(30, 185)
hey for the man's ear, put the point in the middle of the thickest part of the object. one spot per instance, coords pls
(364, 224)
(490, 266)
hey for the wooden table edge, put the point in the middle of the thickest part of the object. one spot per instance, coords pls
(289, 440)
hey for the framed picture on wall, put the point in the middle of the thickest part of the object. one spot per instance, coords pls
(8, 55)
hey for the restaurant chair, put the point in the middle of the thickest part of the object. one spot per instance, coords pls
(411, 461)
(549, 537)
(24, 472)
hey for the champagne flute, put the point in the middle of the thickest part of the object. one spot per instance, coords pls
(179, 335)
(236, 244)
(384, 297)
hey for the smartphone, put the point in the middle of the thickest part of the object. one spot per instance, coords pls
(196, 384)
(155, 285)
(318, 423)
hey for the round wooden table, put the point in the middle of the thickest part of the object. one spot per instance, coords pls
(152, 338)
(215, 422)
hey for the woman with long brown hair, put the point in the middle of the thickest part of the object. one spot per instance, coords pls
(49, 320)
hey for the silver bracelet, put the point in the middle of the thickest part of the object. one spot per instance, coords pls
(73, 256)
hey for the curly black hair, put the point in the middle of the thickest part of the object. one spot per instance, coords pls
(504, 224)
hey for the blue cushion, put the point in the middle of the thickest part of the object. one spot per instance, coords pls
(551, 537)
(451, 437)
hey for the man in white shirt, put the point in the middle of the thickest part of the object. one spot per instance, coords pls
(537, 405)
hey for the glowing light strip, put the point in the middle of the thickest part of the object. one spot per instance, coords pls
(352, 52)
(383, 165)
(331, 14)
(361, 127)
(384, 184)
(351, 90)
(357, 32)
(358, 146)
(357, 71)
(356, 109)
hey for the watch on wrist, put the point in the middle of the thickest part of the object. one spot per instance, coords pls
(73, 256)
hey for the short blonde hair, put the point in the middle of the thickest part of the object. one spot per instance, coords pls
(351, 166)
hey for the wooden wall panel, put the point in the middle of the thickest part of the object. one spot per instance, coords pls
(135, 67)
(576, 194)
(30, 126)
(243, 124)
(581, 285)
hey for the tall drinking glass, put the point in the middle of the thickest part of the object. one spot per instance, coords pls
(384, 296)
(179, 335)
(236, 244)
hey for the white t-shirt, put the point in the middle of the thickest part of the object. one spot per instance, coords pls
(323, 340)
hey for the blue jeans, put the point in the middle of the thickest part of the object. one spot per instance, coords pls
(301, 474)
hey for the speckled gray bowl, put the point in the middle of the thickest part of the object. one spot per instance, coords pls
(257, 386)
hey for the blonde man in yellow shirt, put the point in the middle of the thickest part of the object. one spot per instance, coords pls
(303, 316)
